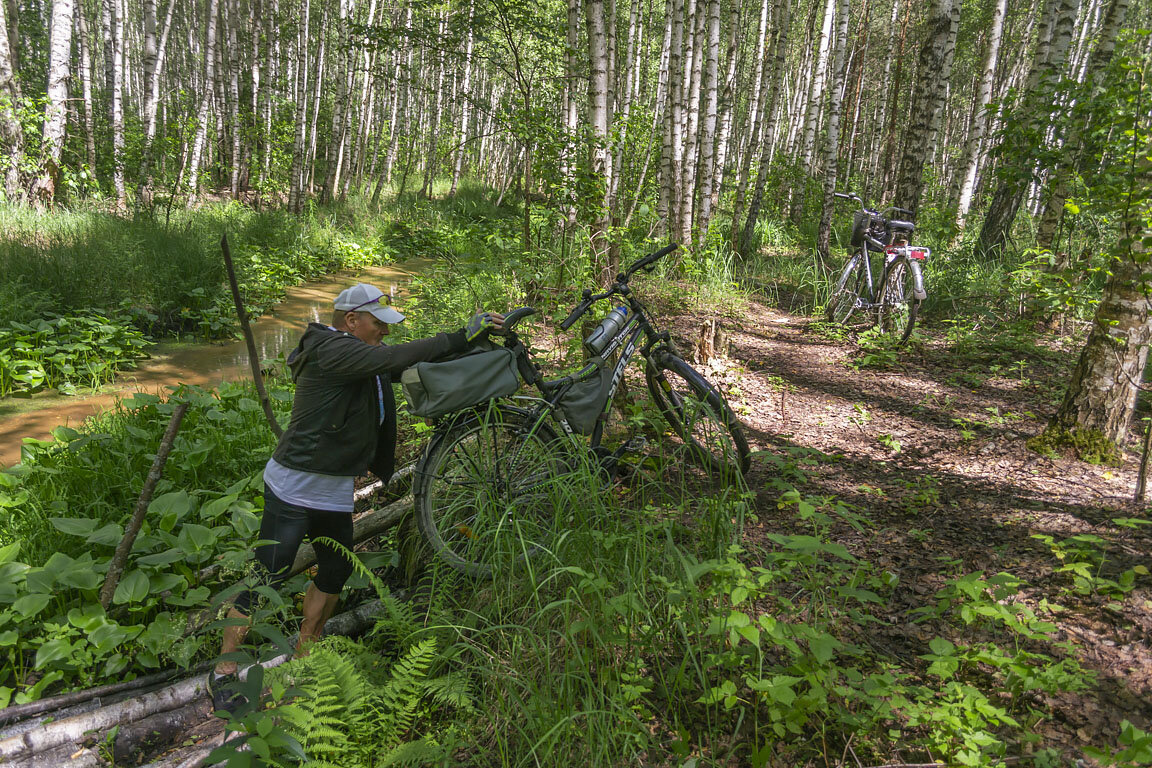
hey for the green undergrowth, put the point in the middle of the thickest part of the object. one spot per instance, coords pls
(656, 632)
(64, 509)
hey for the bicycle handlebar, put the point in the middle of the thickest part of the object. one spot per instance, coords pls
(644, 262)
(580, 309)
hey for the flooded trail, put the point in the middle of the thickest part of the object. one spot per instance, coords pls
(201, 364)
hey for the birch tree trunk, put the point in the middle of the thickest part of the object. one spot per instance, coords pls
(116, 94)
(711, 105)
(296, 174)
(935, 68)
(339, 104)
(11, 133)
(972, 148)
(154, 58)
(598, 121)
(207, 87)
(1071, 158)
(571, 111)
(673, 138)
(779, 48)
(1018, 148)
(465, 104)
(816, 95)
(832, 151)
(694, 63)
(727, 108)
(757, 106)
(1102, 393)
(56, 99)
(85, 62)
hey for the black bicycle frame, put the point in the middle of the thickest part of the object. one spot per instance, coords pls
(626, 339)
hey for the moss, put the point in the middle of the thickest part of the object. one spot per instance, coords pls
(1088, 445)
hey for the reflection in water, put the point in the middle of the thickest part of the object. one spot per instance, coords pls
(201, 364)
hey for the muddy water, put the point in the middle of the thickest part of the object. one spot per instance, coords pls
(202, 364)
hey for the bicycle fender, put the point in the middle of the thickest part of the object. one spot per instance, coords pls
(918, 289)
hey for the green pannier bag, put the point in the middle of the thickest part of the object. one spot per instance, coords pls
(479, 375)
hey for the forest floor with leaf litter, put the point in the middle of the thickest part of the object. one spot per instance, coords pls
(932, 450)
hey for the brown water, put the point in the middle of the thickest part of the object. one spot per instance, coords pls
(201, 364)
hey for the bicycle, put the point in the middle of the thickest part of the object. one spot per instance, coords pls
(902, 290)
(494, 479)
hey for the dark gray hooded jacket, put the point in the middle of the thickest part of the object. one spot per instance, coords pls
(335, 427)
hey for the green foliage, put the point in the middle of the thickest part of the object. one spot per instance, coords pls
(83, 349)
(877, 351)
(1088, 445)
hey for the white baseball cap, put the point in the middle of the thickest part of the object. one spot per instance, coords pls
(368, 298)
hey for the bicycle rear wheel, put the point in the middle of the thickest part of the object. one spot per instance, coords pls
(699, 415)
(845, 298)
(898, 303)
(489, 489)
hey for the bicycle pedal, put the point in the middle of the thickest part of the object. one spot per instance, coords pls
(634, 445)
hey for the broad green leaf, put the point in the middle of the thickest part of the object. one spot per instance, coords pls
(823, 646)
(941, 647)
(80, 578)
(109, 535)
(170, 507)
(193, 538)
(74, 526)
(9, 553)
(133, 588)
(88, 617)
(166, 557)
(30, 605)
(54, 650)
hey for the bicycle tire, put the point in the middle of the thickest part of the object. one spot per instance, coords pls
(487, 490)
(844, 299)
(898, 303)
(699, 415)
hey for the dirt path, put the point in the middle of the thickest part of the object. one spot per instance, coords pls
(934, 452)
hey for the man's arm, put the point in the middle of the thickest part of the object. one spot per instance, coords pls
(349, 356)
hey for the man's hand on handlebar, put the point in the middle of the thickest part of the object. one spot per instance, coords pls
(483, 323)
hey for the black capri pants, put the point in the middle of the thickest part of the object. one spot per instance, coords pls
(287, 525)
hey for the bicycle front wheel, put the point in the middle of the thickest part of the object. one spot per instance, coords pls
(489, 489)
(699, 415)
(846, 296)
(898, 303)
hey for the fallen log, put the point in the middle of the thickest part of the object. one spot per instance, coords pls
(187, 757)
(52, 703)
(72, 729)
(157, 730)
(67, 755)
(49, 738)
(368, 526)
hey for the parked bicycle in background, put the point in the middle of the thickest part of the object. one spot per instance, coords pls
(895, 304)
(497, 481)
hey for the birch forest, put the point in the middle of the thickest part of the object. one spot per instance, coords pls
(901, 261)
(703, 118)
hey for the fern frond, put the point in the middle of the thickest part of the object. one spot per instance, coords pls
(400, 696)
(452, 689)
(419, 752)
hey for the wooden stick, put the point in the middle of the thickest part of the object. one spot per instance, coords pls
(120, 558)
(253, 359)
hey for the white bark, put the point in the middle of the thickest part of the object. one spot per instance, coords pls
(972, 149)
(59, 59)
